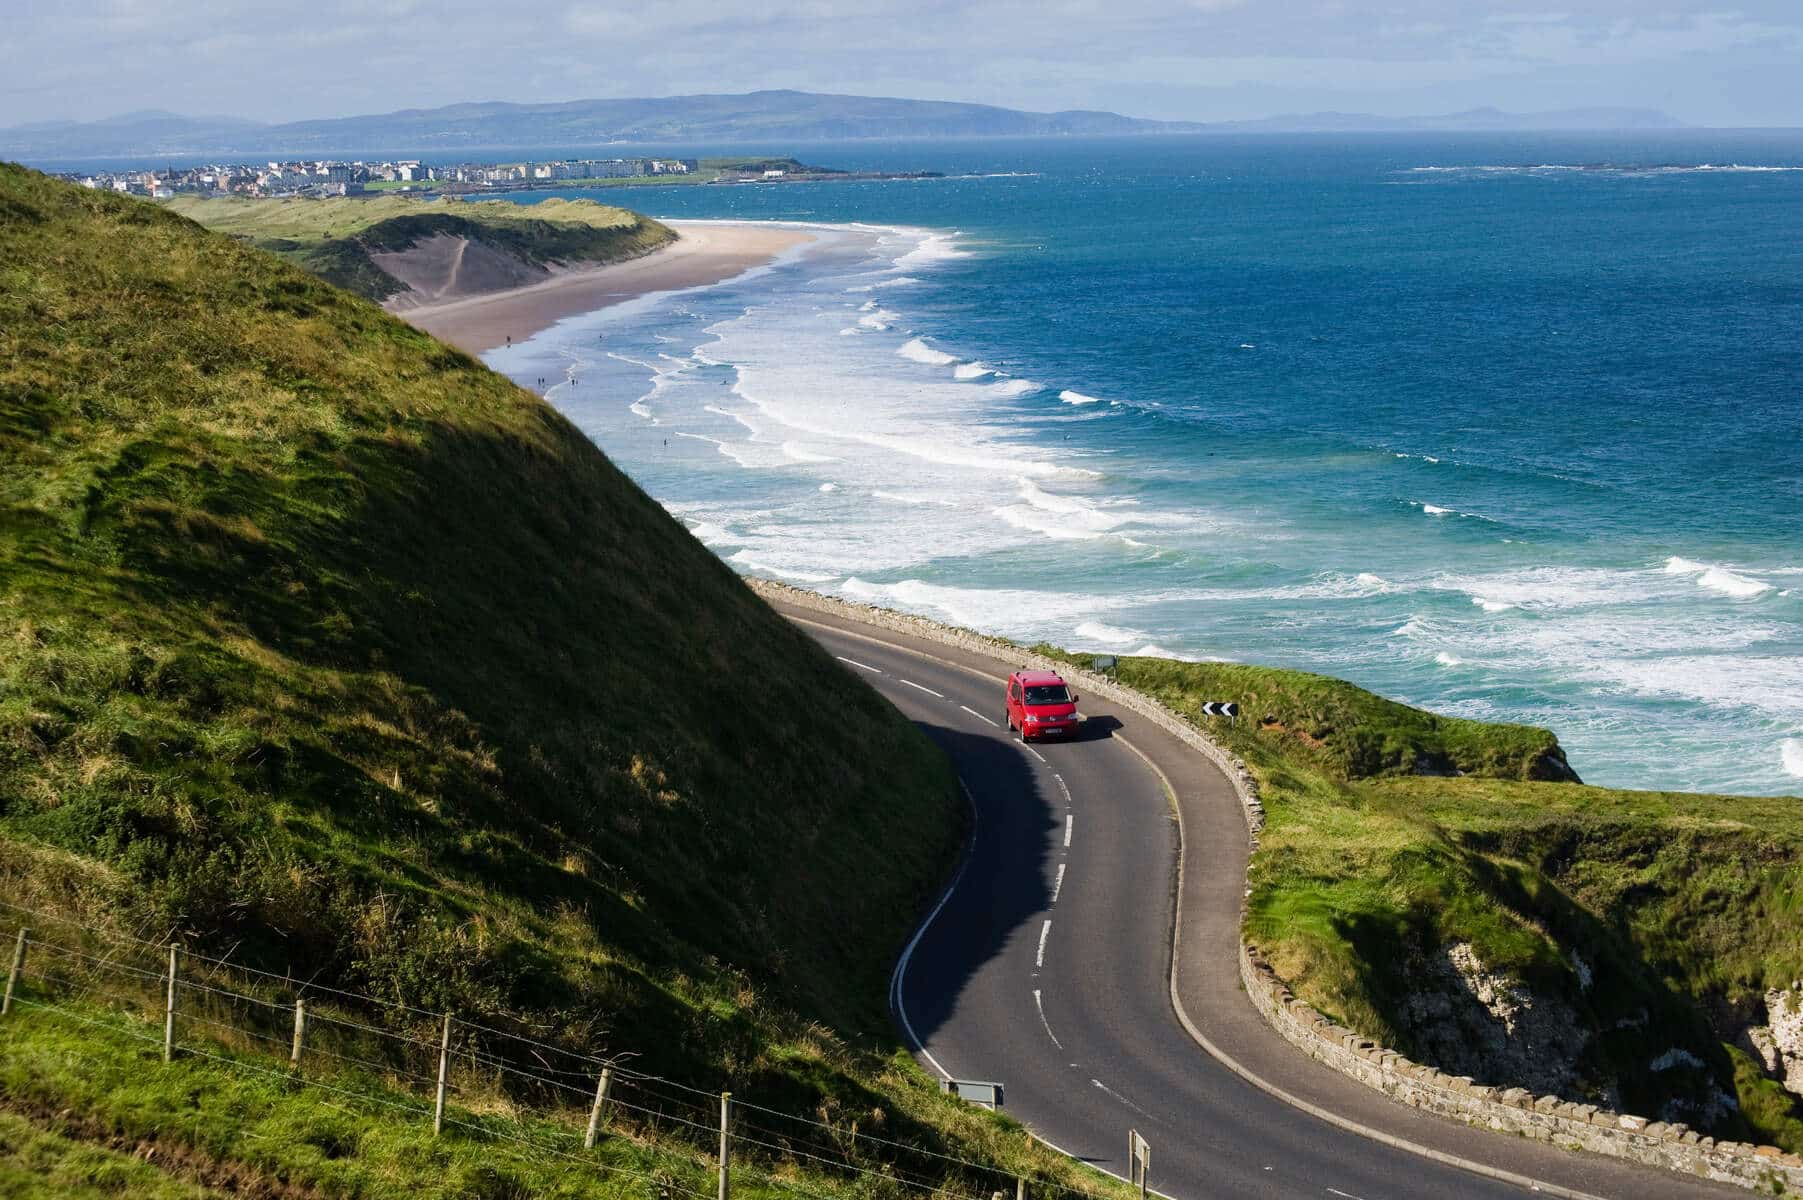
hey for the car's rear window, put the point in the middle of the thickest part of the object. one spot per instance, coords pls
(1054, 693)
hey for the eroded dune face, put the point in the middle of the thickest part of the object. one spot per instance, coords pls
(447, 267)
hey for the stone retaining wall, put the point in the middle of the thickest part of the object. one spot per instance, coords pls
(1672, 1147)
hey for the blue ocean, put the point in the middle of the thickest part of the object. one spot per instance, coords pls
(1509, 427)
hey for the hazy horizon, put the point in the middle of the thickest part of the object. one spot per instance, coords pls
(1204, 60)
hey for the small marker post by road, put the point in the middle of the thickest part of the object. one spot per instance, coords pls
(175, 951)
(444, 1071)
(594, 1114)
(12, 976)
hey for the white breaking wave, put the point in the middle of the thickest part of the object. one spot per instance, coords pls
(920, 352)
(1010, 388)
(1448, 660)
(980, 608)
(829, 487)
(1070, 397)
(972, 370)
(934, 247)
(1490, 606)
(1718, 579)
(1108, 635)
(915, 498)
(745, 559)
(1790, 753)
(711, 534)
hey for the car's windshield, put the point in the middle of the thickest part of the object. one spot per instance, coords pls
(1051, 693)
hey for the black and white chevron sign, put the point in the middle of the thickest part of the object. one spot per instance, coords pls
(1220, 708)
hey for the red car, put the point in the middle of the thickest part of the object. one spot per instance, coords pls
(1040, 705)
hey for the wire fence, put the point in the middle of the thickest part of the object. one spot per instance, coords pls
(560, 1102)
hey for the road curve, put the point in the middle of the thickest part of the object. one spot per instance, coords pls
(1048, 967)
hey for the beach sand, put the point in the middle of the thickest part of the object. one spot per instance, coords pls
(704, 253)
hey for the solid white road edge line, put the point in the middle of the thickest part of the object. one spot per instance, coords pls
(861, 666)
(1297, 1102)
(901, 964)
(1040, 1005)
(929, 691)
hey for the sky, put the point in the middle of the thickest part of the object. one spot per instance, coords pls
(1708, 62)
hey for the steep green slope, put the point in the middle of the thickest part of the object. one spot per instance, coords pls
(334, 238)
(1643, 930)
(324, 647)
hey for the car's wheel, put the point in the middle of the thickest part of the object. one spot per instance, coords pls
(1008, 720)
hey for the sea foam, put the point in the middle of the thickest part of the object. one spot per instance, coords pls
(1790, 753)
(920, 352)
(1070, 397)
(1718, 579)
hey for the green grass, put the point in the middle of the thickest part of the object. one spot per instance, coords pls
(1392, 833)
(324, 646)
(334, 237)
(42, 1164)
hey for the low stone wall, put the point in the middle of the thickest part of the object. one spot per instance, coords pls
(1516, 1111)
(1512, 1110)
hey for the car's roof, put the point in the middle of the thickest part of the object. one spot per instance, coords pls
(1038, 678)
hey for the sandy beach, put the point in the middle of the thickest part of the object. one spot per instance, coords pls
(704, 253)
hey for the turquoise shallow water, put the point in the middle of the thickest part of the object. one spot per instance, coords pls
(1507, 427)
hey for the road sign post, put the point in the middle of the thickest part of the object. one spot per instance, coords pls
(1139, 1160)
(976, 1091)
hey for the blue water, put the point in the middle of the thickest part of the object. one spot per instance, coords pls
(1451, 418)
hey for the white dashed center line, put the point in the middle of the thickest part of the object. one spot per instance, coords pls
(929, 691)
(1033, 752)
(1064, 789)
(1069, 821)
(1058, 884)
(861, 666)
(979, 716)
(1044, 932)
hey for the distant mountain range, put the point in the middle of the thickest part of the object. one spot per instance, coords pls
(765, 117)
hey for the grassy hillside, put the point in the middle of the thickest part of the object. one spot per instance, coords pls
(333, 238)
(1654, 921)
(326, 649)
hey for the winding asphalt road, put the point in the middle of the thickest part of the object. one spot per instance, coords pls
(1049, 968)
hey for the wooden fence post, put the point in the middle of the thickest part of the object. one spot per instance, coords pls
(594, 1114)
(12, 976)
(175, 951)
(300, 1031)
(725, 1150)
(1020, 1188)
(444, 1068)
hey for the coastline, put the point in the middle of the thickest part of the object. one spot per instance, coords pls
(705, 252)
